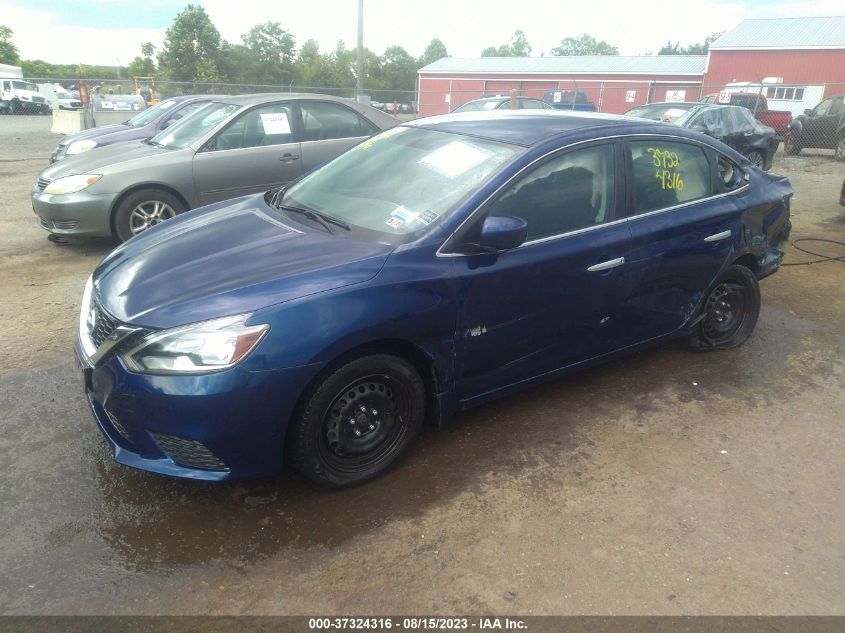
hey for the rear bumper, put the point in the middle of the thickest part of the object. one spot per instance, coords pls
(216, 427)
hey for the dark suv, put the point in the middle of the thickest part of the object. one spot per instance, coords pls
(822, 127)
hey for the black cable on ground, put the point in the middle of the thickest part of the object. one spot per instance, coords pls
(821, 256)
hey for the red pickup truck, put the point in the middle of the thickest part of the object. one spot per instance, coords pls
(778, 120)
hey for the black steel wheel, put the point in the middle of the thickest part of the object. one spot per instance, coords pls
(729, 312)
(756, 158)
(359, 420)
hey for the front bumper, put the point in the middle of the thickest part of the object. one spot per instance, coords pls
(82, 213)
(222, 426)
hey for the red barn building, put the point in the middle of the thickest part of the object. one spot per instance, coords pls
(795, 62)
(612, 82)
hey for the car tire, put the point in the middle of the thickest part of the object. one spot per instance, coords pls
(839, 152)
(729, 311)
(142, 209)
(756, 158)
(791, 147)
(14, 106)
(358, 420)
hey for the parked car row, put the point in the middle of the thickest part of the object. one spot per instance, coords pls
(223, 148)
(348, 277)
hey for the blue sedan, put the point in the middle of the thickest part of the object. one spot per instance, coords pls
(431, 268)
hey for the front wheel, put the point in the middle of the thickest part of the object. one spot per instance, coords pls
(358, 421)
(729, 312)
(144, 209)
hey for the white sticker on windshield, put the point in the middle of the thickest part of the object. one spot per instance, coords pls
(275, 123)
(400, 216)
(454, 159)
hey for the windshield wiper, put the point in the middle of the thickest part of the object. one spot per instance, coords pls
(316, 216)
(150, 141)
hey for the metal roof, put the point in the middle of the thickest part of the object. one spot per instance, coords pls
(573, 65)
(785, 33)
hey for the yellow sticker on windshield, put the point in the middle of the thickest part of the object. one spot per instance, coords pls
(375, 139)
(667, 163)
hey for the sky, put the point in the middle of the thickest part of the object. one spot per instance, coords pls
(110, 32)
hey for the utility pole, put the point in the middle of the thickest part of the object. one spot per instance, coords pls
(359, 80)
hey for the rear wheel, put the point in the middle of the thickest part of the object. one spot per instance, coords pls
(730, 311)
(14, 106)
(358, 421)
(840, 149)
(144, 209)
(791, 147)
(756, 158)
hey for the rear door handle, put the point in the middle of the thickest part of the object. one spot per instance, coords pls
(611, 263)
(718, 236)
(288, 157)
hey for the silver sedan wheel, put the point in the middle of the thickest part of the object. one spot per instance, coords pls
(149, 213)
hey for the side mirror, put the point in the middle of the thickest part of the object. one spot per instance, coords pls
(502, 233)
(808, 111)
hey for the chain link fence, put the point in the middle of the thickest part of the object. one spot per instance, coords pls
(804, 117)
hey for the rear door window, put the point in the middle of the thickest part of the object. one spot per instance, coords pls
(323, 121)
(667, 173)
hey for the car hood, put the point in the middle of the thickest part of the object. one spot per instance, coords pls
(115, 130)
(229, 258)
(105, 159)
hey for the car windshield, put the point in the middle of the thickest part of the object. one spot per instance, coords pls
(400, 182)
(24, 85)
(150, 114)
(476, 106)
(194, 126)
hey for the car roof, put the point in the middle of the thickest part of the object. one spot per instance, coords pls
(669, 104)
(532, 127)
(380, 118)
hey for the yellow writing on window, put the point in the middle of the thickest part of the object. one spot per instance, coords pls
(666, 162)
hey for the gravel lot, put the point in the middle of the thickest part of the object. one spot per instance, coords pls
(663, 483)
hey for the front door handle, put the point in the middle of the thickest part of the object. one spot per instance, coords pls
(718, 236)
(286, 158)
(611, 263)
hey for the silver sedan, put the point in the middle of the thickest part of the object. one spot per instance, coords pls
(231, 147)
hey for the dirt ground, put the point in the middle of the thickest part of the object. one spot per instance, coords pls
(663, 483)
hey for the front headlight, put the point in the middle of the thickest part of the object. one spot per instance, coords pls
(196, 349)
(72, 184)
(77, 147)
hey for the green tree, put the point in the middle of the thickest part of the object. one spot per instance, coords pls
(397, 74)
(192, 47)
(144, 64)
(434, 51)
(274, 49)
(693, 49)
(517, 47)
(584, 45)
(8, 51)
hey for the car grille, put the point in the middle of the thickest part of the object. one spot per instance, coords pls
(38, 100)
(42, 183)
(65, 225)
(104, 324)
(190, 453)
